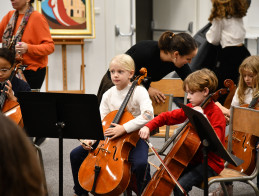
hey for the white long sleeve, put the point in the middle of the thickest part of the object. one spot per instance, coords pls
(227, 32)
(248, 97)
(139, 105)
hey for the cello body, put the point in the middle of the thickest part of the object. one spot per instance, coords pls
(243, 146)
(176, 160)
(12, 110)
(112, 156)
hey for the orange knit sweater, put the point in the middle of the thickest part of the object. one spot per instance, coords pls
(36, 35)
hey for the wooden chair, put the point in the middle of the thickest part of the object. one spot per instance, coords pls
(243, 120)
(171, 87)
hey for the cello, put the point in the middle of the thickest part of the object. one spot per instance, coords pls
(243, 145)
(106, 169)
(186, 145)
(10, 108)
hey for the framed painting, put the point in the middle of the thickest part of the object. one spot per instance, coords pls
(68, 18)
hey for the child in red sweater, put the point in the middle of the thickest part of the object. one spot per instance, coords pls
(198, 86)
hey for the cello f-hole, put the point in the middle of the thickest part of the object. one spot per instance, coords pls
(115, 159)
(95, 154)
(243, 144)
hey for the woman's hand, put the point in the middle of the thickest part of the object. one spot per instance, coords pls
(21, 48)
(156, 95)
(9, 92)
(144, 133)
(115, 131)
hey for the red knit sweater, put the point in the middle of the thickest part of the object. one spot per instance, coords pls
(216, 119)
(36, 35)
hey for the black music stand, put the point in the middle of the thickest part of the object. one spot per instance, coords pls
(61, 115)
(210, 141)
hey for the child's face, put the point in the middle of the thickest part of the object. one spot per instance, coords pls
(248, 77)
(197, 97)
(5, 69)
(120, 77)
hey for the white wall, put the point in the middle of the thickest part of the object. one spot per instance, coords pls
(95, 58)
(100, 50)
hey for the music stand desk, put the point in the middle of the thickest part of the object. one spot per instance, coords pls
(61, 115)
(210, 141)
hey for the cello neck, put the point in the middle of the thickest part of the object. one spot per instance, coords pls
(206, 101)
(124, 103)
(253, 102)
(3, 94)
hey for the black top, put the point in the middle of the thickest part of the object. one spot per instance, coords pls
(147, 54)
(19, 85)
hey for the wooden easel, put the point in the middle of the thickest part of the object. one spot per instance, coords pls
(64, 42)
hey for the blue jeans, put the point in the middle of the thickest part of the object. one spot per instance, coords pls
(192, 176)
(138, 158)
(77, 156)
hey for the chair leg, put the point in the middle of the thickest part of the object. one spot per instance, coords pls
(42, 166)
(254, 187)
(224, 188)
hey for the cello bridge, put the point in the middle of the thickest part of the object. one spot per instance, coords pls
(103, 149)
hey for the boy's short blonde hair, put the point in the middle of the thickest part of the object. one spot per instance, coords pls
(200, 79)
(125, 61)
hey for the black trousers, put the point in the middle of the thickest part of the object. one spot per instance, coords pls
(35, 78)
(230, 58)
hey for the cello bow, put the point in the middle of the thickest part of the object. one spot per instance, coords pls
(164, 165)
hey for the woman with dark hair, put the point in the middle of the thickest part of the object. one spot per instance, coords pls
(172, 52)
(27, 33)
(20, 171)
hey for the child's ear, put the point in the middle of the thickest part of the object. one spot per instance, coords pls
(206, 91)
(131, 73)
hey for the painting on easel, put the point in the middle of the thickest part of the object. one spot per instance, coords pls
(68, 18)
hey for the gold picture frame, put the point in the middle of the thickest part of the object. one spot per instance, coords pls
(68, 18)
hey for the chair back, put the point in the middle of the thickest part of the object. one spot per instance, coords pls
(171, 87)
(244, 120)
(242, 138)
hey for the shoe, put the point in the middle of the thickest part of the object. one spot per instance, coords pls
(39, 140)
(219, 191)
